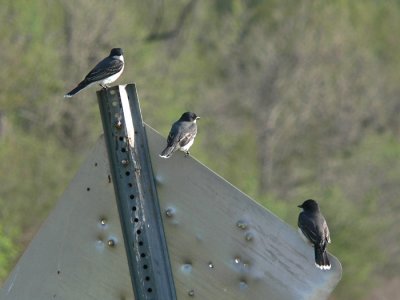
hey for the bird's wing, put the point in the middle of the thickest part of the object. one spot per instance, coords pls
(173, 135)
(107, 67)
(309, 228)
(187, 135)
(181, 133)
(326, 232)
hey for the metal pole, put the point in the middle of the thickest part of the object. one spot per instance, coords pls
(136, 194)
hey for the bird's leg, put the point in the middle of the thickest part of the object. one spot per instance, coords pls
(187, 153)
(104, 86)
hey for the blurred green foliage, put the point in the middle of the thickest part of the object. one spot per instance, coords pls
(8, 252)
(298, 99)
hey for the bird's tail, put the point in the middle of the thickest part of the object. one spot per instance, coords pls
(82, 85)
(321, 258)
(166, 153)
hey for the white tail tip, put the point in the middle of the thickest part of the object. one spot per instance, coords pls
(328, 267)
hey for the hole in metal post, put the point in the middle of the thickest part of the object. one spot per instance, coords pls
(118, 125)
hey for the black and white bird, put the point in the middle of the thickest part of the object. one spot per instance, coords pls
(314, 230)
(105, 72)
(181, 135)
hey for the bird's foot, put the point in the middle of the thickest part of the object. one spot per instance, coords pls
(187, 153)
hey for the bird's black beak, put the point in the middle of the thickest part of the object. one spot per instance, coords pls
(300, 206)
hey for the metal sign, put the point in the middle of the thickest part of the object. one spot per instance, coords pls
(221, 244)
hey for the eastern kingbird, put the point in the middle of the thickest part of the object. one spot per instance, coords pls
(182, 134)
(106, 71)
(314, 230)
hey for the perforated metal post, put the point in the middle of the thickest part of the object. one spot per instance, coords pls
(136, 194)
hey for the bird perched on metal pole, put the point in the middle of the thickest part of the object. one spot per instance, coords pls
(314, 230)
(181, 135)
(105, 72)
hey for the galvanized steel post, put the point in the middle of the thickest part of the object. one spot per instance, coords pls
(136, 194)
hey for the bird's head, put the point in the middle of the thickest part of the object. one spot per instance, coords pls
(309, 205)
(189, 117)
(116, 52)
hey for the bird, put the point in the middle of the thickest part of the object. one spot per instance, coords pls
(314, 230)
(106, 71)
(181, 135)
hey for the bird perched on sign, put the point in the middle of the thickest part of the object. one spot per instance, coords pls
(181, 135)
(314, 229)
(106, 71)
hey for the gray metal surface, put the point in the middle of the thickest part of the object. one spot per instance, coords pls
(223, 245)
(136, 194)
(79, 251)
